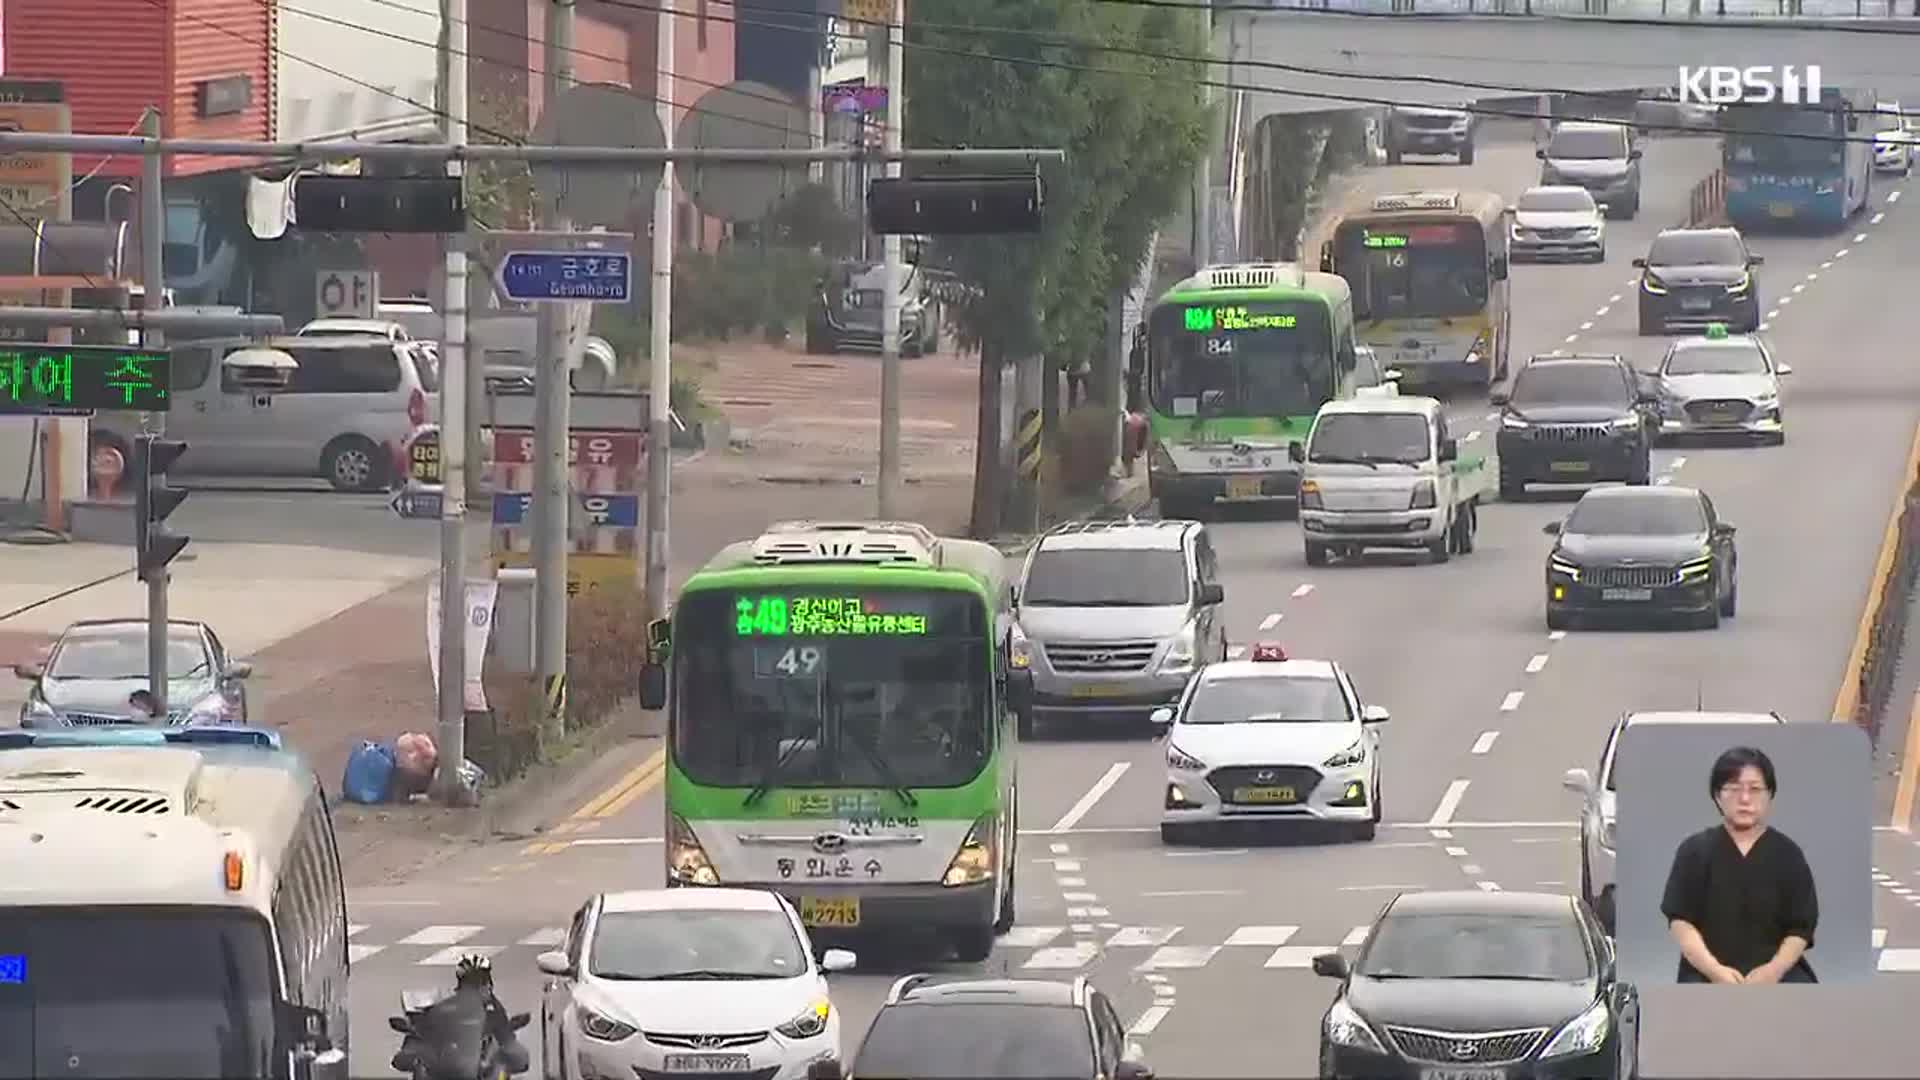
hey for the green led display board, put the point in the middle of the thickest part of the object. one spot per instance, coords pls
(1211, 317)
(1382, 240)
(772, 615)
(55, 379)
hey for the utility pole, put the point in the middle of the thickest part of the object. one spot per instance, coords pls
(659, 359)
(153, 282)
(894, 59)
(553, 402)
(454, 377)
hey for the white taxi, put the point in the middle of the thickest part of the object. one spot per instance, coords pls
(1270, 739)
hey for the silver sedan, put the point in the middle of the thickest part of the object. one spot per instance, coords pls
(1721, 384)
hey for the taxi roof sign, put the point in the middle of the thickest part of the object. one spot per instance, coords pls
(1717, 331)
(1269, 650)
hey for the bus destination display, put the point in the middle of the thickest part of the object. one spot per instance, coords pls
(772, 615)
(1417, 236)
(60, 378)
(1209, 318)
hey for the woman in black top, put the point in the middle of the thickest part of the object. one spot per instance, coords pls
(1740, 900)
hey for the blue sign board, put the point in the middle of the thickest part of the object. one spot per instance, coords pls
(418, 503)
(586, 276)
(612, 511)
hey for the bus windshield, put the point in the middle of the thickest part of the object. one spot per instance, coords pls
(1754, 143)
(1248, 358)
(1414, 271)
(120, 993)
(853, 686)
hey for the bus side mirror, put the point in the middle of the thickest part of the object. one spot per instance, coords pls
(1296, 453)
(659, 640)
(1635, 155)
(653, 686)
(1499, 268)
(1541, 154)
(1326, 257)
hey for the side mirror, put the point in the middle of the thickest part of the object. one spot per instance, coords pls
(1449, 449)
(659, 640)
(519, 1020)
(1161, 718)
(1374, 714)
(1579, 781)
(29, 671)
(1498, 269)
(399, 1024)
(1326, 257)
(1756, 260)
(653, 686)
(1541, 153)
(1013, 594)
(824, 1070)
(1551, 528)
(1783, 369)
(1497, 397)
(553, 963)
(1212, 594)
(838, 960)
(1639, 264)
(1723, 530)
(1634, 155)
(1296, 453)
(1331, 965)
(239, 669)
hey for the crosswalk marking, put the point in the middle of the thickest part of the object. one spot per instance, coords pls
(1356, 936)
(1143, 935)
(450, 956)
(547, 938)
(1179, 956)
(1059, 957)
(440, 935)
(357, 953)
(1030, 937)
(356, 929)
(1295, 956)
(1879, 937)
(1262, 935)
(1900, 959)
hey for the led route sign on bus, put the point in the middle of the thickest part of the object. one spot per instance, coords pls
(45, 378)
(1206, 320)
(769, 615)
(1415, 236)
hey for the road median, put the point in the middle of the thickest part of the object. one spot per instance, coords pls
(1867, 684)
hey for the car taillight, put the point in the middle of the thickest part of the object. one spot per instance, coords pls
(417, 408)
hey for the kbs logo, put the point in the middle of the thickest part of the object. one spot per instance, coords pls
(1727, 85)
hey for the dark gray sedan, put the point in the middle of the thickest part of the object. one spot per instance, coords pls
(93, 671)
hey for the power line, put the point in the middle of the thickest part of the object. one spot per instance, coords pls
(1549, 16)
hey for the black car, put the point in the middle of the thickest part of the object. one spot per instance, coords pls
(1575, 420)
(1641, 552)
(1026, 1028)
(1480, 986)
(847, 307)
(1693, 277)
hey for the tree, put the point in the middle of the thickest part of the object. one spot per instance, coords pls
(1013, 73)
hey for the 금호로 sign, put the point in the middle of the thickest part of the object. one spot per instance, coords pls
(51, 379)
(566, 275)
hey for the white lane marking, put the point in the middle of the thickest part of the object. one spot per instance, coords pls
(1602, 313)
(1553, 884)
(1078, 897)
(356, 929)
(440, 935)
(1442, 834)
(1383, 887)
(1859, 238)
(1457, 852)
(1087, 913)
(1083, 929)
(1493, 416)
(546, 938)
(1196, 892)
(1066, 866)
(1153, 977)
(1163, 989)
(1058, 849)
(1534, 665)
(1879, 937)
(1842, 253)
(1295, 956)
(1235, 652)
(1512, 700)
(1827, 265)
(1355, 936)
(357, 953)
(1762, 326)
(1030, 937)
(1900, 890)
(1271, 936)
(1302, 590)
(1774, 314)
(1471, 435)
(1063, 957)
(451, 956)
(1893, 196)
(1071, 882)
(1199, 854)
(1663, 480)
(1487, 886)
(1586, 326)
(1676, 463)
(1100, 787)
(1179, 956)
(1485, 742)
(1614, 299)
(1270, 621)
(1878, 218)
(1813, 275)
(1571, 338)
(1556, 635)
(1149, 1020)
(1634, 280)
(1143, 935)
(1471, 869)
(1800, 288)
(1785, 300)
(1449, 803)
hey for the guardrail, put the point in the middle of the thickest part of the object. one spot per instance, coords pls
(1676, 10)
(1707, 204)
(1868, 683)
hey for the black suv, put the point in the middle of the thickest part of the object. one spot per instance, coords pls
(1575, 419)
(992, 1027)
(1694, 277)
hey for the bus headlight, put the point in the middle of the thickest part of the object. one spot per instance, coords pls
(687, 862)
(974, 861)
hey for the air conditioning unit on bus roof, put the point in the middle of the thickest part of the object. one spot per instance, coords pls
(1419, 200)
(874, 542)
(1252, 275)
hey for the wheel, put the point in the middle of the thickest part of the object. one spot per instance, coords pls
(1467, 524)
(1393, 154)
(1441, 549)
(1365, 830)
(1731, 602)
(972, 944)
(1024, 725)
(818, 344)
(1601, 255)
(1633, 208)
(1558, 620)
(1649, 328)
(354, 463)
(1004, 922)
(1511, 488)
(1316, 554)
(1178, 834)
(1466, 154)
(1709, 619)
(108, 453)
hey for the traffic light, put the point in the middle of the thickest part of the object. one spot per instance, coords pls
(954, 205)
(153, 546)
(379, 204)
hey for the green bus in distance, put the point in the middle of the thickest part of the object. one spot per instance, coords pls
(841, 700)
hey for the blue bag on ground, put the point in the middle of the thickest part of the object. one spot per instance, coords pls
(369, 773)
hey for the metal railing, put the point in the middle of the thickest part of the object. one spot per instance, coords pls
(1887, 621)
(1707, 204)
(1678, 10)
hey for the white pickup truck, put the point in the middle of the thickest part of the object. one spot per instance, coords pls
(1385, 472)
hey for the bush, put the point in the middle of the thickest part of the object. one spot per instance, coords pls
(742, 290)
(1084, 445)
(606, 645)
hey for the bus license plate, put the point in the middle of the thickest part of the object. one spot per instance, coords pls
(1267, 796)
(1243, 487)
(836, 913)
(1571, 466)
(1463, 1074)
(1780, 209)
(1626, 594)
(708, 1063)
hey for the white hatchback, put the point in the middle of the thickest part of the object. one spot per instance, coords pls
(676, 981)
(1268, 739)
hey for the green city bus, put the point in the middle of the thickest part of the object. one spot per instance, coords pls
(841, 730)
(1238, 359)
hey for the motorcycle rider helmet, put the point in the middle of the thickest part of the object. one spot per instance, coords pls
(473, 969)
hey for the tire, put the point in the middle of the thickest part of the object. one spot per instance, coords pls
(1601, 256)
(1465, 525)
(1511, 490)
(1024, 725)
(1316, 554)
(1730, 603)
(1650, 329)
(1172, 509)
(1366, 830)
(972, 944)
(1004, 922)
(354, 463)
(1441, 550)
(1177, 835)
(1393, 154)
(818, 343)
(1466, 154)
(100, 444)
(1558, 620)
(1709, 619)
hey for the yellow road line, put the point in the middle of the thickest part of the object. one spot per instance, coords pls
(639, 772)
(1909, 771)
(639, 787)
(1846, 704)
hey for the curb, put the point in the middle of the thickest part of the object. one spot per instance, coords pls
(1132, 497)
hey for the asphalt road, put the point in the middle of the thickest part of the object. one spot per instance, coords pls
(1207, 950)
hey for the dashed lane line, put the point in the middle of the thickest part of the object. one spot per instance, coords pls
(1092, 796)
(1512, 700)
(1484, 743)
(1271, 621)
(1538, 662)
(1859, 238)
(1302, 590)
(1449, 804)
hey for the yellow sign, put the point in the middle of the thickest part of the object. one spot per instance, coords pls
(867, 11)
(585, 572)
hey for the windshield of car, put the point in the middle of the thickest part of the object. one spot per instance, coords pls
(1456, 945)
(1696, 249)
(1551, 201)
(1740, 359)
(1266, 358)
(869, 687)
(1371, 437)
(1588, 143)
(1119, 577)
(133, 993)
(1658, 515)
(695, 944)
(122, 654)
(1558, 383)
(1279, 699)
(964, 1042)
(1414, 271)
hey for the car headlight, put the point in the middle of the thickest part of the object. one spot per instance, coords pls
(1019, 649)
(1180, 652)
(1511, 421)
(1310, 496)
(1592, 231)
(1160, 460)
(1696, 567)
(1184, 762)
(687, 862)
(809, 1024)
(1424, 496)
(1344, 1027)
(37, 712)
(1352, 755)
(1558, 565)
(1767, 399)
(1746, 280)
(1626, 423)
(974, 861)
(603, 1028)
(1585, 1034)
(1652, 284)
(1607, 837)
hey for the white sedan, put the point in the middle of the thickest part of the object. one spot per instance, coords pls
(1270, 740)
(708, 980)
(1893, 151)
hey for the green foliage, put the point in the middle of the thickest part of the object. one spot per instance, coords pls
(812, 218)
(742, 290)
(499, 193)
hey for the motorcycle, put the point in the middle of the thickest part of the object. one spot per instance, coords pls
(446, 1037)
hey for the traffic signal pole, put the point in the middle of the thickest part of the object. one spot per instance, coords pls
(455, 375)
(888, 49)
(153, 210)
(553, 406)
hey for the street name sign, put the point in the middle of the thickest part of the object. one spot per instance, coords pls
(567, 276)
